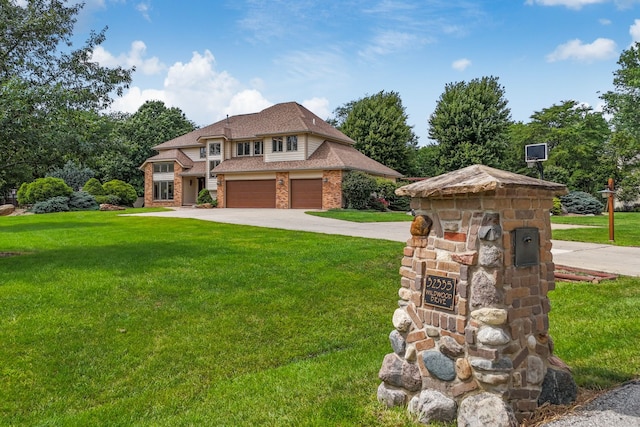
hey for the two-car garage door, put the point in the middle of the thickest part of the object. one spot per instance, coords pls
(304, 194)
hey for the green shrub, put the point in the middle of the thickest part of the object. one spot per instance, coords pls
(110, 199)
(82, 201)
(557, 206)
(357, 188)
(579, 202)
(204, 197)
(125, 192)
(73, 174)
(54, 204)
(43, 189)
(93, 187)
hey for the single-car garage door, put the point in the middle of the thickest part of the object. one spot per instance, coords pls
(306, 193)
(251, 194)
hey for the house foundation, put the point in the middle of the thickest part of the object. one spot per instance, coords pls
(470, 339)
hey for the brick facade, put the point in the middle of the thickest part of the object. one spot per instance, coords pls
(332, 189)
(282, 190)
(148, 188)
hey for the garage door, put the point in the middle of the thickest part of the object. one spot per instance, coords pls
(306, 193)
(251, 194)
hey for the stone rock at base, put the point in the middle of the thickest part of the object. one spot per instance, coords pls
(391, 397)
(400, 373)
(431, 405)
(535, 370)
(398, 343)
(109, 207)
(558, 388)
(439, 365)
(484, 410)
(7, 209)
(450, 347)
(401, 320)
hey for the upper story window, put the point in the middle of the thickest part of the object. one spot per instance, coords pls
(243, 148)
(214, 149)
(258, 148)
(203, 152)
(277, 145)
(292, 143)
(163, 167)
(212, 165)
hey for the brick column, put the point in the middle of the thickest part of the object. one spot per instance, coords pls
(282, 190)
(331, 189)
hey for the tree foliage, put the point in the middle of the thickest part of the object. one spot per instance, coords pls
(46, 86)
(470, 124)
(378, 125)
(73, 174)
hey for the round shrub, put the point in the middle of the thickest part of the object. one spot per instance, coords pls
(82, 201)
(358, 187)
(125, 192)
(110, 199)
(43, 189)
(579, 202)
(54, 204)
(204, 197)
(557, 206)
(93, 187)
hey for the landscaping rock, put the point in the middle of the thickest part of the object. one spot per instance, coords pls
(431, 405)
(401, 320)
(398, 343)
(439, 365)
(558, 388)
(400, 373)
(391, 397)
(7, 209)
(109, 207)
(484, 410)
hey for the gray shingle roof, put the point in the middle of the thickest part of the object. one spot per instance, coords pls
(330, 155)
(279, 119)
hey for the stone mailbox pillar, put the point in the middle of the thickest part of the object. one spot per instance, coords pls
(470, 338)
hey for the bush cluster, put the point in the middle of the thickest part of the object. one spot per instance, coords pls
(114, 192)
(204, 197)
(363, 191)
(579, 202)
(42, 189)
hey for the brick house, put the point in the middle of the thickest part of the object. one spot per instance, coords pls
(281, 157)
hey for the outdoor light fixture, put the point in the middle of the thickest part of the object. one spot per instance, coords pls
(608, 193)
(281, 181)
(325, 180)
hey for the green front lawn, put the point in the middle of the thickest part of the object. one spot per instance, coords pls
(162, 321)
(626, 228)
(355, 215)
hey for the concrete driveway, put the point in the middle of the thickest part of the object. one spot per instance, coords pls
(599, 257)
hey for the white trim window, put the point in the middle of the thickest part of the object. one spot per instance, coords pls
(277, 144)
(243, 148)
(212, 165)
(258, 148)
(162, 190)
(214, 149)
(203, 152)
(292, 143)
(162, 167)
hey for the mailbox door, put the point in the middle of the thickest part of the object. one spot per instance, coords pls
(526, 246)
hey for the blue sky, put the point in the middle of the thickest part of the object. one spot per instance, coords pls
(216, 57)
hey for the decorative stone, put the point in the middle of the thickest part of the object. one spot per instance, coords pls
(439, 365)
(558, 388)
(7, 209)
(398, 343)
(483, 290)
(531, 342)
(110, 207)
(490, 256)
(535, 370)
(421, 225)
(432, 331)
(492, 379)
(391, 397)
(432, 406)
(466, 258)
(490, 233)
(493, 336)
(490, 316)
(404, 294)
(450, 347)
(502, 364)
(400, 373)
(410, 354)
(401, 320)
(486, 409)
(463, 369)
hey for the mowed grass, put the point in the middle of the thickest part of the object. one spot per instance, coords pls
(109, 320)
(626, 228)
(354, 215)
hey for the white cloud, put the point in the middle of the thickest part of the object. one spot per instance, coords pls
(144, 9)
(600, 49)
(135, 57)
(634, 30)
(461, 64)
(389, 42)
(135, 97)
(571, 4)
(247, 101)
(318, 106)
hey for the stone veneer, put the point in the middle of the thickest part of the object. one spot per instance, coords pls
(492, 348)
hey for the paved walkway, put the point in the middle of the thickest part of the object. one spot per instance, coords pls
(598, 257)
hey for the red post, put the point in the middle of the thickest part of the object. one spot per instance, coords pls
(610, 203)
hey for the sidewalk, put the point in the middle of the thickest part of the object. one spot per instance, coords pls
(591, 256)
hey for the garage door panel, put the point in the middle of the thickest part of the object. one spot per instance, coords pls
(251, 194)
(306, 193)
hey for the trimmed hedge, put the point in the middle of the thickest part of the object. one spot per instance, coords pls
(43, 189)
(125, 193)
(93, 187)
